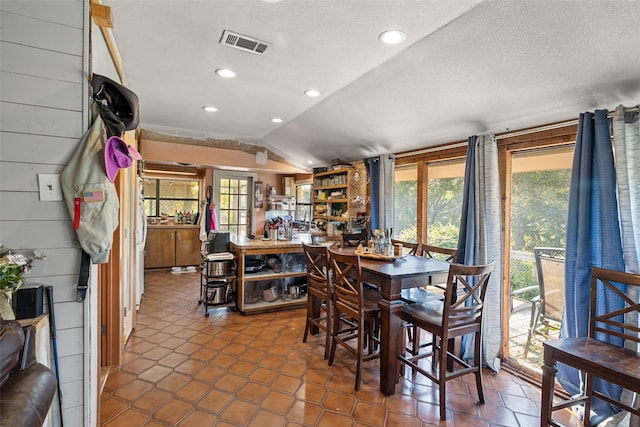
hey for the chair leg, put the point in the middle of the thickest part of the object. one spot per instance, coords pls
(477, 359)
(535, 314)
(334, 331)
(362, 338)
(442, 380)
(327, 345)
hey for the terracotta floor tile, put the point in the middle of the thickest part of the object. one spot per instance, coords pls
(133, 390)
(239, 412)
(173, 411)
(193, 391)
(252, 392)
(129, 418)
(278, 402)
(173, 382)
(110, 408)
(199, 419)
(181, 368)
(155, 373)
(173, 360)
(304, 413)
(267, 419)
(215, 401)
(152, 400)
(339, 402)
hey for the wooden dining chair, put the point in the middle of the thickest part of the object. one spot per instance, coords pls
(450, 318)
(319, 293)
(356, 315)
(408, 248)
(354, 239)
(594, 355)
(428, 292)
(442, 254)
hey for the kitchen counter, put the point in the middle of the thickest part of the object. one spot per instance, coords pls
(172, 225)
(244, 243)
(289, 271)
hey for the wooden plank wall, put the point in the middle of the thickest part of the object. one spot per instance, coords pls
(42, 47)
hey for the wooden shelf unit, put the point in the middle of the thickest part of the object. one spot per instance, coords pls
(352, 183)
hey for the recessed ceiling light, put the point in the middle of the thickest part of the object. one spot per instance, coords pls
(226, 73)
(310, 161)
(209, 109)
(312, 93)
(276, 120)
(392, 37)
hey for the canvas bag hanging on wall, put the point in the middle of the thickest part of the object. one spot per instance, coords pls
(90, 196)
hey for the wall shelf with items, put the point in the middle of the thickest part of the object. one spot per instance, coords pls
(341, 195)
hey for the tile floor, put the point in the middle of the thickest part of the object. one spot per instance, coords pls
(181, 368)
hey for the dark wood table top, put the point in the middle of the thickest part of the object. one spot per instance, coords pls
(410, 265)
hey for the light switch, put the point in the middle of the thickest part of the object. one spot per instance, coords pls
(49, 186)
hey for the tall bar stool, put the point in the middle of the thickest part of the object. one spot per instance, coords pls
(356, 315)
(459, 313)
(429, 291)
(319, 307)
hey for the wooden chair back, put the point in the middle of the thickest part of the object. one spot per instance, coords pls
(317, 258)
(347, 283)
(354, 239)
(408, 248)
(438, 252)
(327, 240)
(464, 298)
(607, 285)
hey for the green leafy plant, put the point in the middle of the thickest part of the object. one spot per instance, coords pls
(14, 266)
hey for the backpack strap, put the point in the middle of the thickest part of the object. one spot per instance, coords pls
(83, 281)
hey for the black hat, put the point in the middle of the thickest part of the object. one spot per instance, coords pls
(117, 99)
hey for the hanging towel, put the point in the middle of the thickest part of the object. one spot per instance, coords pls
(214, 221)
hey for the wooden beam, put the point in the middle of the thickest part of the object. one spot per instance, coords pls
(101, 15)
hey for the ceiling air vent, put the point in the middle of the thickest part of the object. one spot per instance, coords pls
(245, 43)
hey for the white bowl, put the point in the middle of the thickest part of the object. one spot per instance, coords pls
(176, 268)
(191, 268)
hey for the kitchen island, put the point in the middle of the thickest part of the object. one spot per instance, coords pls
(272, 274)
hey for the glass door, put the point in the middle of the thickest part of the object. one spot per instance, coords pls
(234, 203)
(539, 203)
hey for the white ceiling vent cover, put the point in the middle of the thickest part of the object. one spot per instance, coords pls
(245, 43)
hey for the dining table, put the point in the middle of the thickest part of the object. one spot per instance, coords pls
(391, 276)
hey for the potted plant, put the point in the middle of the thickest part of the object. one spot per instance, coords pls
(13, 267)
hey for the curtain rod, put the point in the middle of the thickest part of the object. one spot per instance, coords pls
(510, 134)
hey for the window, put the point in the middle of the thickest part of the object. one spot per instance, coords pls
(405, 204)
(169, 196)
(444, 202)
(234, 203)
(303, 202)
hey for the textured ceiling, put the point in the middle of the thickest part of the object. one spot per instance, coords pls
(467, 67)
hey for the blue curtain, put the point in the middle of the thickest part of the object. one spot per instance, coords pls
(480, 238)
(372, 164)
(593, 239)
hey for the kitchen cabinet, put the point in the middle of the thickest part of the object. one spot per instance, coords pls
(168, 246)
(341, 195)
(271, 274)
